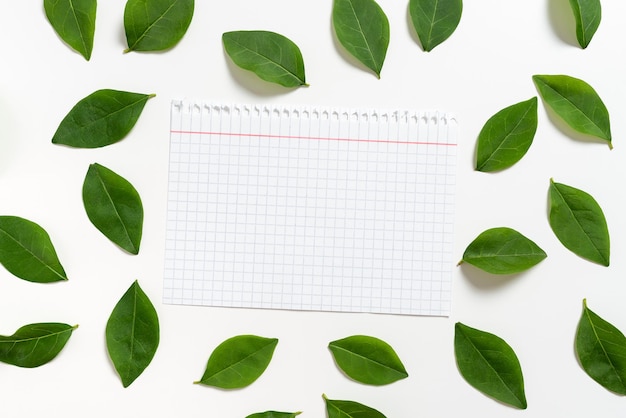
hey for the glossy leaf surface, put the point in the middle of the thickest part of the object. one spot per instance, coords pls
(579, 223)
(238, 361)
(577, 103)
(27, 251)
(435, 21)
(489, 364)
(269, 55)
(34, 345)
(114, 207)
(506, 136)
(156, 25)
(601, 350)
(368, 360)
(102, 118)
(350, 409)
(362, 28)
(132, 334)
(503, 251)
(587, 14)
(274, 414)
(74, 21)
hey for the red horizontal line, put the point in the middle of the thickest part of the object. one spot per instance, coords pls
(313, 138)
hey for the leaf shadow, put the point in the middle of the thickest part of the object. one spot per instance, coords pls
(562, 21)
(411, 28)
(486, 281)
(345, 54)
(568, 131)
(253, 83)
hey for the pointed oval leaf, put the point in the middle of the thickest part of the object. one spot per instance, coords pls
(269, 55)
(74, 21)
(506, 136)
(34, 345)
(368, 360)
(601, 350)
(349, 409)
(238, 361)
(156, 25)
(587, 14)
(27, 252)
(362, 28)
(577, 103)
(435, 21)
(503, 251)
(274, 414)
(579, 223)
(489, 364)
(114, 207)
(102, 118)
(132, 334)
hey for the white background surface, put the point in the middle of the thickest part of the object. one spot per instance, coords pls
(486, 65)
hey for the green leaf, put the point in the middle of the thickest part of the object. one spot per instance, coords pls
(577, 103)
(27, 252)
(587, 14)
(269, 55)
(274, 414)
(506, 136)
(579, 223)
(489, 364)
(601, 350)
(238, 361)
(102, 118)
(132, 334)
(367, 360)
(503, 251)
(156, 25)
(362, 28)
(74, 21)
(435, 21)
(34, 345)
(349, 409)
(114, 207)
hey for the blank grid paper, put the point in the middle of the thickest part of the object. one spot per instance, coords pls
(310, 209)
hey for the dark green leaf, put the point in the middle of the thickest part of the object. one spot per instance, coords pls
(27, 252)
(349, 409)
(35, 344)
(587, 14)
(435, 21)
(362, 28)
(238, 361)
(156, 25)
(269, 55)
(74, 21)
(579, 223)
(489, 364)
(367, 360)
(506, 136)
(132, 334)
(503, 251)
(274, 414)
(577, 103)
(601, 350)
(114, 207)
(102, 118)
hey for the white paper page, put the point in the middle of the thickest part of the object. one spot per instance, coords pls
(310, 209)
